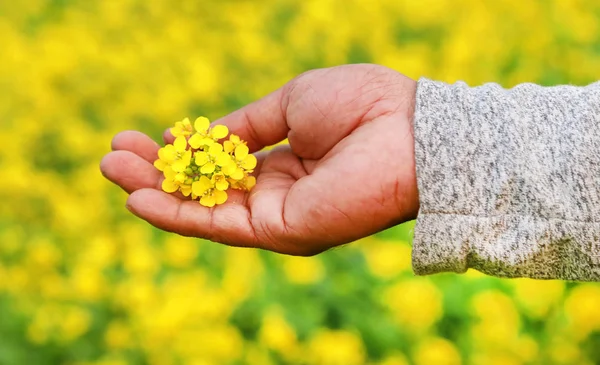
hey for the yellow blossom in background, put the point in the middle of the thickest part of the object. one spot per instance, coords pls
(336, 348)
(180, 252)
(387, 259)
(498, 320)
(538, 297)
(581, 309)
(396, 359)
(563, 350)
(415, 304)
(277, 334)
(118, 335)
(495, 359)
(437, 351)
(302, 270)
(244, 273)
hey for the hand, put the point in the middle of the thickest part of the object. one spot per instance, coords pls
(348, 172)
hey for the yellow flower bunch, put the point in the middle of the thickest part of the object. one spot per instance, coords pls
(198, 165)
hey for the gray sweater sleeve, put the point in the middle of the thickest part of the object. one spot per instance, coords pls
(509, 180)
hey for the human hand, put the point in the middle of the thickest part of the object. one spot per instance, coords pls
(348, 171)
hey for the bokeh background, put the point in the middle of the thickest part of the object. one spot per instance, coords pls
(84, 282)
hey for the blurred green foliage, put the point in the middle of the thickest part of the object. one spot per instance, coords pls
(84, 282)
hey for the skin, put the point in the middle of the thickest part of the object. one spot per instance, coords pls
(348, 172)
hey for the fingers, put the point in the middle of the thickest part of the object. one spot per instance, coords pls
(228, 223)
(130, 171)
(136, 142)
(167, 136)
(262, 123)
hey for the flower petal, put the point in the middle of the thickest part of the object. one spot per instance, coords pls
(187, 157)
(208, 201)
(229, 169)
(169, 186)
(224, 159)
(201, 124)
(207, 141)
(201, 158)
(201, 186)
(195, 141)
(228, 146)
(219, 131)
(167, 153)
(249, 162)
(250, 182)
(238, 174)
(176, 131)
(186, 190)
(220, 196)
(208, 168)
(180, 178)
(241, 151)
(169, 173)
(179, 166)
(160, 165)
(180, 144)
(215, 149)
(221, 184)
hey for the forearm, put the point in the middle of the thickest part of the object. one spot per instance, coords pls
(509, 180)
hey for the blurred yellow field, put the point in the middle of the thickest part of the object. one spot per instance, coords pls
(83, 282)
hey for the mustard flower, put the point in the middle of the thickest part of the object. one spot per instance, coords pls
(246, 183)
(173, 180)
(182, 128)
(209, 195)
(174, 155)
(202, 167)
(234, 141)
(209, 160)
(219, 180)
(244, 162)
(206, 136)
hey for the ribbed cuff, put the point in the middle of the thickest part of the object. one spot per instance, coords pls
(509, 180)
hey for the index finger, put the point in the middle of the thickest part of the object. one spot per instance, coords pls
(261, 123)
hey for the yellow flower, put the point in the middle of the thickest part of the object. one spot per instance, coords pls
(201, 167)
(209, 195)
(336, 347)
(247, 183)
(209, 160)
(183, 128)
(173, 180)
(415, 304)
(437, 350)
(186, 189)
(220, 181)
(206, 136)
(174, 155)
(232, 143)
(244, 162)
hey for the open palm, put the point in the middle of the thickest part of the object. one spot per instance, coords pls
(347, 172)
